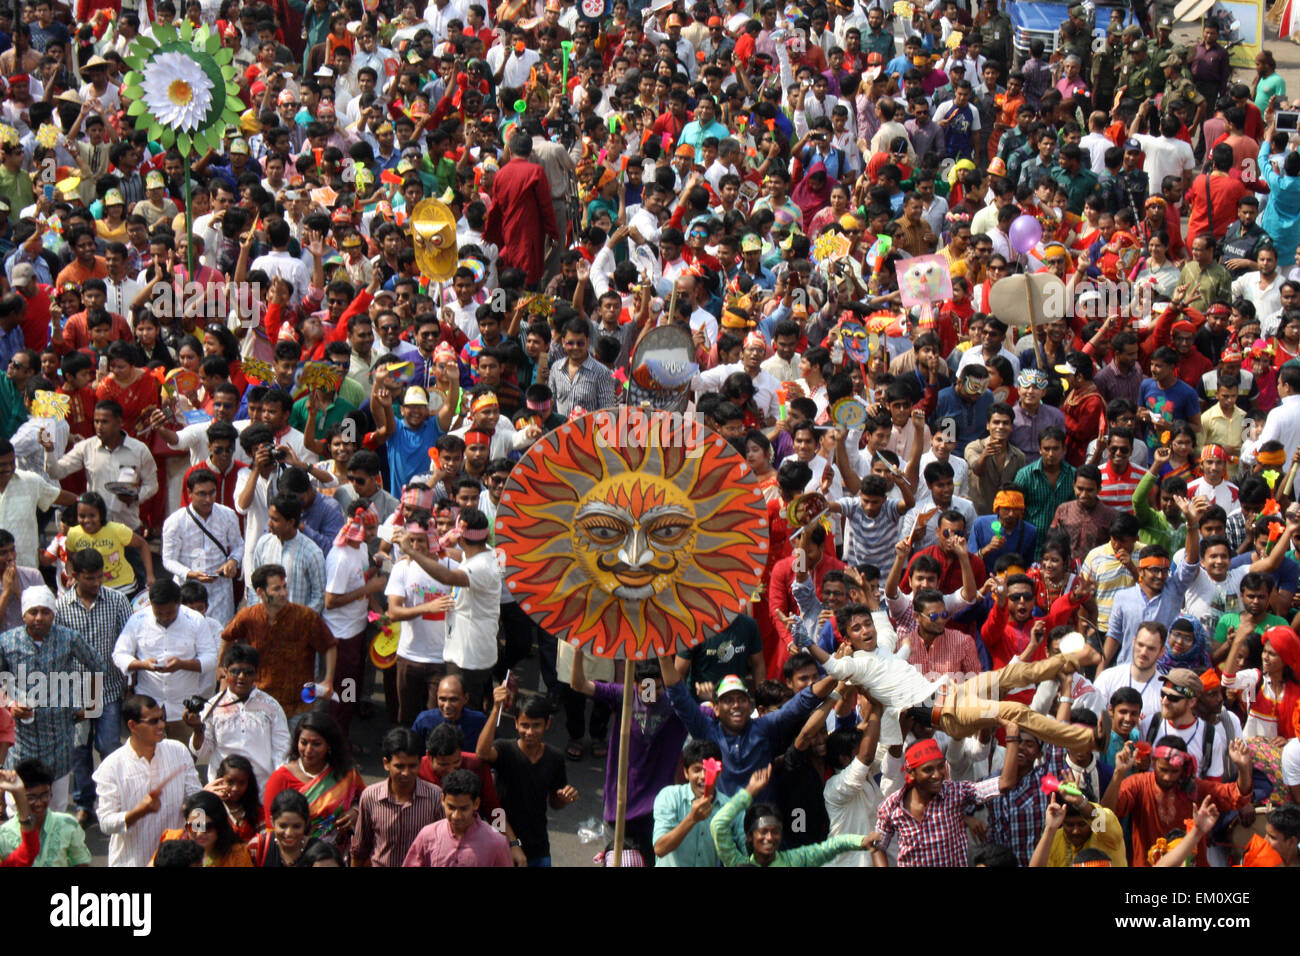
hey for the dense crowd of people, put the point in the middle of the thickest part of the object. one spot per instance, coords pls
(1029, 595)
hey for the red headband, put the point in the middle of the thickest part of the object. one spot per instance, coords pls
(922, 752)
(478, 438)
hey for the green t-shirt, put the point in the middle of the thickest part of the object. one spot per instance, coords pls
(63, 842)
(335, 412)
(1229, 622)
(1269, 86)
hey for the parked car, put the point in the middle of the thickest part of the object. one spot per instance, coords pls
(1043, 21)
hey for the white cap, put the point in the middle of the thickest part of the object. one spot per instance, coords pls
(38, 595)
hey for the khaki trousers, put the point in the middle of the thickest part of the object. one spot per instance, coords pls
(975, 704)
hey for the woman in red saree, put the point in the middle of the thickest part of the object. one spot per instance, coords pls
(320, 768)
(130, 386)
(138, 392)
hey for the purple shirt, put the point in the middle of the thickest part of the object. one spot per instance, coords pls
(436, 845)
(658, 736)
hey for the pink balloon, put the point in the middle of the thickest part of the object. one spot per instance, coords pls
(1024, 233)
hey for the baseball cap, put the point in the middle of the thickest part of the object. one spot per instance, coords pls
(239, 146)
(1132, 146)
(418, 396)
(751, 243)
(1172, 60)
(113, 197)
(729, 684)
(715, 21)
(23, 274)
(1137, 46)
(155, 180)
(1184, 681)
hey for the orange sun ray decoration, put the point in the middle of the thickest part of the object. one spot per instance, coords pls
(629, 532)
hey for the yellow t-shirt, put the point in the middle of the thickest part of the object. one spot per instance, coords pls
(110, 541)
(108, 233)
(1108, 837)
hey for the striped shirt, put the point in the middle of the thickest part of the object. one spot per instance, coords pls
(871, 540)
(951, 653)
(1042, 498)
(480, 845)
(1117, 490)
(123, 779)
(34, 668)
(304, 567)
(1111, 577)
(939, 838)
(592, 388)
(386, 829)
(99, 625)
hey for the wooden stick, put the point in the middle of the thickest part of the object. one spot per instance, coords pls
(1029, 307)
(624, 745)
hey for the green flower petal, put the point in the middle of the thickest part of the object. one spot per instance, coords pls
(132, 79)
(164, 33)
(212, 45)
(187, 31)
(145, 42)
(183, 141)
(232, 89)
(136, 63)
(136, 108)
(224, 56)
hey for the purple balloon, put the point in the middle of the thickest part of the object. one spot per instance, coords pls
(1024, 233)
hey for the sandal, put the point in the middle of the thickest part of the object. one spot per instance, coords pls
(574, 750)
(600, 751)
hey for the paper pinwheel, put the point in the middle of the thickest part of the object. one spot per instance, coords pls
(320, 375)
(259, 370)
(46, 404)
(47, 137)
(182, 83)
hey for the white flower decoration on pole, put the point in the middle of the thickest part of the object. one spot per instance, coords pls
(177, 92)
(182, 87)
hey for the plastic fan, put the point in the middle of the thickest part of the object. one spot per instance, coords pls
(1051, 785)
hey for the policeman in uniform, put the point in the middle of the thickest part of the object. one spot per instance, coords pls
(996, 32)
(1163, 43)
(1139, 75)
(1081, 43)
(1131, 32)
(1133, 182)
(1105, 69)
(1179, 87)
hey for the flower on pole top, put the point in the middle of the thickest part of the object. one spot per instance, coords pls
(183, 83)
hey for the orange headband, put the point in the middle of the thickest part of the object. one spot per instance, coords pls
(1271, 458)
(486, 400)
(1009, 499)
(1154, 562)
